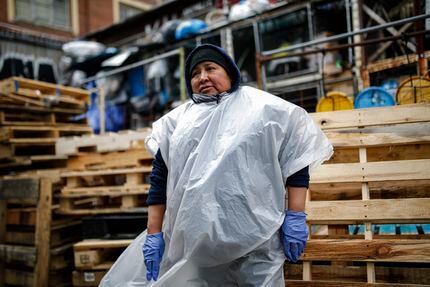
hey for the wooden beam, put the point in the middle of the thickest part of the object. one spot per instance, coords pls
(372, 171)
(20, 188)
(377, 250)
(43, 233)
(407, 210)
(372, 116)
(394, 62)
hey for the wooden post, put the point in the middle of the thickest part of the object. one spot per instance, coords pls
(43, 233)
(368, 235)
(419, 26)
(3, 207)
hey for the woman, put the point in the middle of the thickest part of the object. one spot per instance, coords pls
(217, 214)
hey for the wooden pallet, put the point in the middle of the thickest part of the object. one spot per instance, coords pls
(93, 259)
(108, 142)
(359, 118)
(36, 89)
(117, 226)
(95, 254)
(134, 157)
(40, 134)
(95, 192)
(88, 278)
(351, 191)
(33, 243)
(27, 117)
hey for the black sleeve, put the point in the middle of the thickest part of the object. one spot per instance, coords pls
(158, 181)
(299, 179)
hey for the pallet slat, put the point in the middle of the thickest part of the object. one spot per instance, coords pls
(372, 117)
(372, 171)
(376, 210)
(377, 250)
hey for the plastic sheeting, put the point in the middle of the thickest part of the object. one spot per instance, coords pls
(228, 164)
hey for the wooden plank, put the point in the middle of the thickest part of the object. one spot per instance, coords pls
(28, 109)
(143, 169)
(43, 232)
(377, 250)
(97, 243)
(92, 211)
(372, 116)
(101, 143)
(409, 210)
(24, 254)
(46, 87)
(67, 192)
(377, 136)
(22, 188)
(382, 153)
(399, 274)
(372, 171)
(297, 283)
(116, 159)
(63, 127)
(394, 62)
(378, 190)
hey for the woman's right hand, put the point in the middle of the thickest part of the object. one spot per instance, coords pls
(153, 250)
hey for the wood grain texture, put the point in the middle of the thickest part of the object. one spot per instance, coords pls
(409, 210)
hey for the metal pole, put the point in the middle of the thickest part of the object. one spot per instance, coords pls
(345, 35)
(182, 87)
(132, 66)
(349, 28)
(358, 51)
(259, 66)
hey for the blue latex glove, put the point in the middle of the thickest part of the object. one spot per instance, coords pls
(153, 250)
(294, 234)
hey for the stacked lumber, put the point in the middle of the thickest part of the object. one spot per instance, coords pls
(369, 206)
(105, 173)
(106, 184)
(33, 115)
(36, 245)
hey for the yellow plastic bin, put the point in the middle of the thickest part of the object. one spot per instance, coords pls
(334, 101)
(414, 90)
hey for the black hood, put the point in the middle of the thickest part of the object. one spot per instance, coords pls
(232, 69)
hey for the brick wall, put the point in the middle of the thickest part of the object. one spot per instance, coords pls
(94, 15)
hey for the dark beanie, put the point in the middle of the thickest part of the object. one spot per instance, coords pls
(212, 53)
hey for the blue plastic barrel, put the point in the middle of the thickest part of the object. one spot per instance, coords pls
(373, 97)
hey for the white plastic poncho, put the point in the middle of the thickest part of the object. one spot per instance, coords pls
(228, 164)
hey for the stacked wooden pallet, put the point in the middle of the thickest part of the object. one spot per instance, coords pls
(33, 115)
(377, 180)
(107, 183)
(36, 246)
(93, 258)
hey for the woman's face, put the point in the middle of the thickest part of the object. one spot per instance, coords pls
(209, 78)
